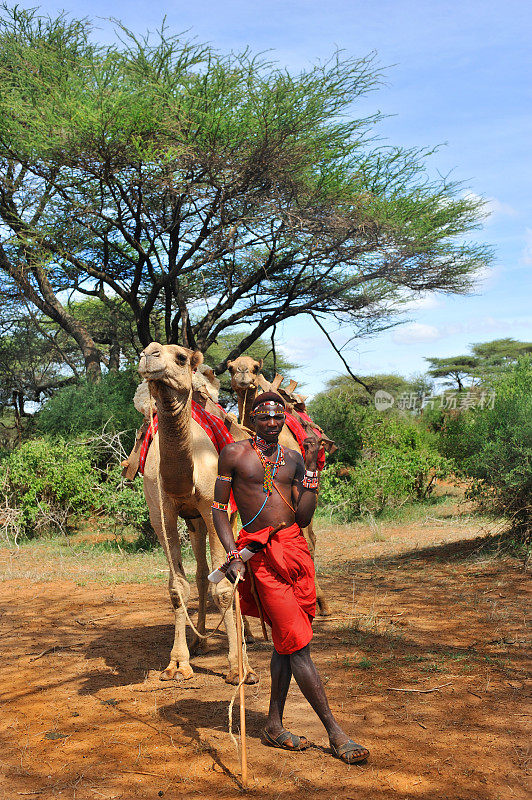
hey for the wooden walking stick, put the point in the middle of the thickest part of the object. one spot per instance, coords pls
(243, 750)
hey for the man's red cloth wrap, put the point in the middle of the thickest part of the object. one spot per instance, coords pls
(284, 580)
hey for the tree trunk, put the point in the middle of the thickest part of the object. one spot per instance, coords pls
(91, 354)
(114, 356)
(45, 299)
(18, 421)
(20, 403)
(143, 330)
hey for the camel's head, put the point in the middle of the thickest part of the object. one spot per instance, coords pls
(204, 380)
(244, 373)
(170, 364)
(142, 400)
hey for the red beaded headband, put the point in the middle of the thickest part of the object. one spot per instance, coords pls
(269, 407)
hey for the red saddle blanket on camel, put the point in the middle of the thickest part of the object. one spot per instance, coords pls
(213, 427)
(284, 580)
(300, 434)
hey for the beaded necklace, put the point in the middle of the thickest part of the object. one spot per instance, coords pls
(269, 467)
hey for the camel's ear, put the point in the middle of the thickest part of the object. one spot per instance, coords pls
(261, 362)
(230, 365)
(196, 359)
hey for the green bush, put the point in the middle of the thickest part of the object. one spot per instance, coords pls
(46, 481)
(125, 503)
(342, 420)
(398, 462)
(494, 446)
(86, 408)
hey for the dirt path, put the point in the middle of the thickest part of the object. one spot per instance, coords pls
(417, 607)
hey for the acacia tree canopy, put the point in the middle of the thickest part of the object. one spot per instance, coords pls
(488, 359)
(455, 369)
(497, 355)
(219, 188)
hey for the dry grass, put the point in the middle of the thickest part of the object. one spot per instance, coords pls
(57, 559)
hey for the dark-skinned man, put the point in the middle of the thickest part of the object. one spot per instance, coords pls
(276, 495)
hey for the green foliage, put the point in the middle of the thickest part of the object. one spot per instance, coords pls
(46, 481)
(112, 326)
(89, 407)
(494, 446)
(488, 360)
(495, 356)
(30, 364)
(397, 462)
(455, 369)
(394, 384)
(217, 187)
(345, 409)
(124, 502)
(341, 419)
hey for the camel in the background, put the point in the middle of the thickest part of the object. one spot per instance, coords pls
(245, 377)
(185, 460)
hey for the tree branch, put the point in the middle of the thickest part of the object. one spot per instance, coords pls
(339, 354)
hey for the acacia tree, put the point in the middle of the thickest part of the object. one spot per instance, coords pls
(221, 189)
(496, 356)
(487, 360)
(31, 365)
(456, 369)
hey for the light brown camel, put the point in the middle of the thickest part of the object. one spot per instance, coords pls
(185, 461)
(245, 372)
(205, 391)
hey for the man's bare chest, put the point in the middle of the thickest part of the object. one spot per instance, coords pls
(251, 471)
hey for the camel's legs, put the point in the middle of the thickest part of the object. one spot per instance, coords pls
(198, 540)
(223, 593)
(323, 605)
(179, 664)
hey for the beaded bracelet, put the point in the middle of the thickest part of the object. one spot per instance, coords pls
(231, 556)
(224, 478)
(310, 480)
(219, 506)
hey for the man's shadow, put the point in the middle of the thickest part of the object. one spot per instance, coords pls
(189, 713)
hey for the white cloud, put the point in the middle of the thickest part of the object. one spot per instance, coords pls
(301, 350)
(493, 207)
(486, 277)
(423, 301)
(498, 208)
(416, 332)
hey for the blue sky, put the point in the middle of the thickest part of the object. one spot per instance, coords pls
(459, 75)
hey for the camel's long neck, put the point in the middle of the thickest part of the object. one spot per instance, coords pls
(175, 440)
(245, 402)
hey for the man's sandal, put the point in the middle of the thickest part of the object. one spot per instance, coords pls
(350, 752)
(285, 741)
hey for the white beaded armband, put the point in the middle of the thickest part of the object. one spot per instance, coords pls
(311, 479)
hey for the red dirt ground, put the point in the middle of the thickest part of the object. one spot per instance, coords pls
(416, 607)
